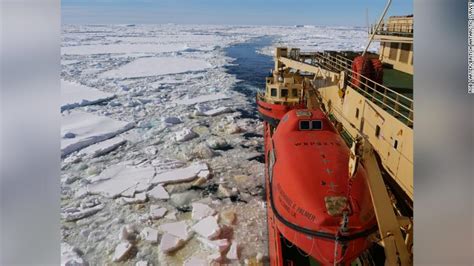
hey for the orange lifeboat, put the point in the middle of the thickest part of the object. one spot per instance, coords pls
(312, 203)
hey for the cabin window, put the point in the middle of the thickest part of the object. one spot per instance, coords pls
(393, 51)
(357, 112)
(304, 125)
(404, 52)
(377, 131)
(273, 93)
(395, 144)
(316, 124)
(284, 93)
(294, 93)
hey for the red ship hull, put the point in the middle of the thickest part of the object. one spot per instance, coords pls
(312, 204)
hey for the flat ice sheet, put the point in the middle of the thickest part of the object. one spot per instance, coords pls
(84, 129)
(202, 99)
(155, 66)
(74, 94)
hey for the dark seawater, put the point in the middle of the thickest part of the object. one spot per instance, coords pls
(250, 68)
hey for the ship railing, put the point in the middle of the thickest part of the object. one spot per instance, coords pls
(393, 28)
(400, 105)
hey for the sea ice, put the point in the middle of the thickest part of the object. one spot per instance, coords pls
(180, 175)
(150, 235)
(70, 256)
(88, 129)
(216, 245)
(155, 66)
(201, 210)
(207, 227)
(170, 243)
(122, 251)
(158, 192)
(157, 212)
(74, 94)
(120, 48)
(117, 179)
(178, 229)
(202, 99)
(103, 147)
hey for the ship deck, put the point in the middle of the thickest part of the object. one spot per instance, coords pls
(398, 81)
(395, 95)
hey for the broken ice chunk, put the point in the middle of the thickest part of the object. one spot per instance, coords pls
(202, 99)
(122, 251)
(219, 245)
(180, 175)
(201, 210)
(217, 111)
(70, 256)
(207, 227)
(77, 214)
(149, 234)
(158, 192)
(233, 253)
(139, 198)
(103, 147)
(170, 243)
(117, 179)
(185, 134)
(178, 229)
(172, 120)
(157, 212)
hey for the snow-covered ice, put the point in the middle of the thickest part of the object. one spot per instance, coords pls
(81, 129)
(202, 99)
(118, 179)
(74, 94)
(155, 66)
(207, 227)
(102, 147)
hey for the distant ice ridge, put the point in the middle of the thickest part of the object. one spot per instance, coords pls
(80, 129)
(74, 95)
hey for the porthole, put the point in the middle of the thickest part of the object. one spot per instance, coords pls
(377, 131)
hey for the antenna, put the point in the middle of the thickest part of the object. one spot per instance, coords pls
(378, 25)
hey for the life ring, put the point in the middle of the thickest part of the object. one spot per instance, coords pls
(378, 70)
(361, 66)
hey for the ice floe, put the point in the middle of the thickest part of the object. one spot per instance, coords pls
(85, 129)
(181, 174)
(201, 210)
(102, 147)
(155, 66)
(158, 192)
(74, 94)
(119, 179)
(207, 227)
(202, 99)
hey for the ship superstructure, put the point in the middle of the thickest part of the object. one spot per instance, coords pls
(339, 153)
